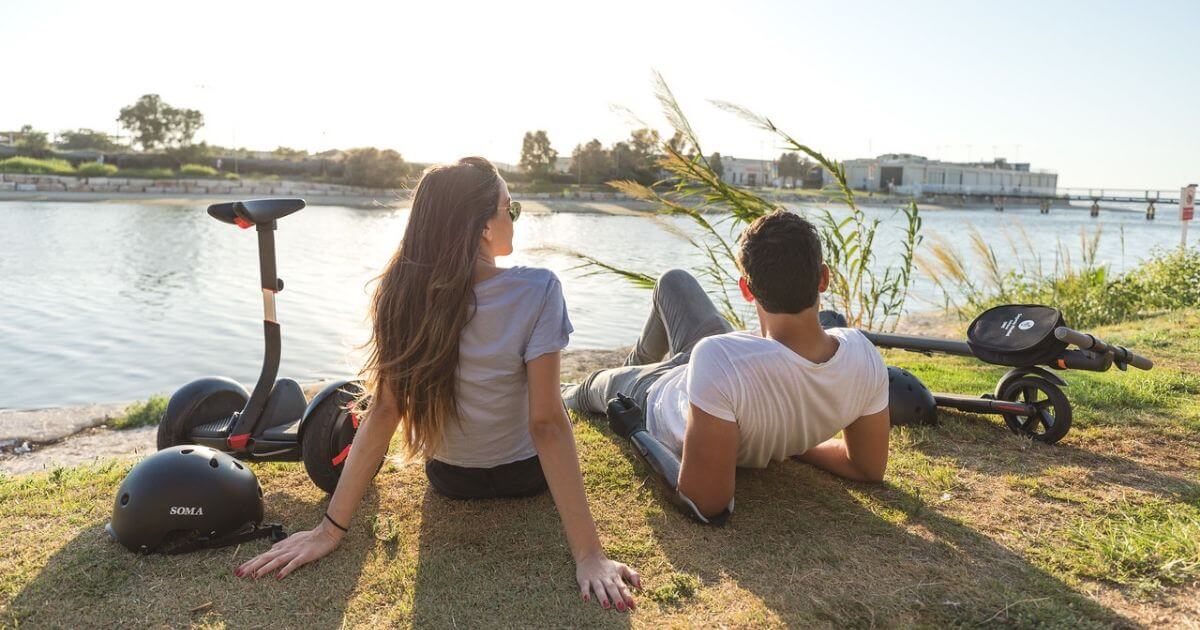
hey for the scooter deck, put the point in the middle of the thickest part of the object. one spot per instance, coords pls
(982, 405)
(284, 432)
(217, 429)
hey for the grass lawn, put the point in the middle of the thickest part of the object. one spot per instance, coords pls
(973, 526)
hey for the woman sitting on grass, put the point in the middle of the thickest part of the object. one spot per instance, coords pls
(464, 359)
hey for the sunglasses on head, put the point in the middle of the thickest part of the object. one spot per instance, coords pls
(514, 210)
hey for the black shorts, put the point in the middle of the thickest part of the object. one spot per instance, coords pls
(522, 478)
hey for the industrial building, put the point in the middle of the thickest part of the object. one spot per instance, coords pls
(916, 175)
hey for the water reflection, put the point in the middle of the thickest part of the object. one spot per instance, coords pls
(110, 301)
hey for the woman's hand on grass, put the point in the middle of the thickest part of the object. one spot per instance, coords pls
(608, 580)
(292, 552)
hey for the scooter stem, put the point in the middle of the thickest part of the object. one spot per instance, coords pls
(243, 429)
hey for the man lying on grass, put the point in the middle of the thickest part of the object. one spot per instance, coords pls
(723, 399)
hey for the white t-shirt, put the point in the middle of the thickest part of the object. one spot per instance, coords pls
(783, 403)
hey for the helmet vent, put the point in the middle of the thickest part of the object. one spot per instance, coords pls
(125, 499)
(237, 465)
(186, 451)
(213, 462)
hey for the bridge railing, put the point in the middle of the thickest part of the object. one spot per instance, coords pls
(1041, 192)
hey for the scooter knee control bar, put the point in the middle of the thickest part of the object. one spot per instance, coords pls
(1122, 356)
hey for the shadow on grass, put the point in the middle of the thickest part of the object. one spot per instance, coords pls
(93, 581)
(815, 550)
(987, 447)
(498, 563)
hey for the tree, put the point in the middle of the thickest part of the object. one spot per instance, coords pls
(537, 156)
(591, 163)
(155, 124)
(33, 143)
(86, 139)
(714, 163)
(790, 168)
(198, 153)
(681, 145)
(373, 168)
(639, 161)
(287, 153)
(624, 161)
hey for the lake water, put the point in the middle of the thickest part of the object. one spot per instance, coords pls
(105, 302)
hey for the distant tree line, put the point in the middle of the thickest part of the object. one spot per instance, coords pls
(634, 159)
(162, 136)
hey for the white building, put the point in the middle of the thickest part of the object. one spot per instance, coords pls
(915, 175)
(750, 173)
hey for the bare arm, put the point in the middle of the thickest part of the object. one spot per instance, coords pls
(370, 445)
(862, 453)
(709, 468)
(555, 443)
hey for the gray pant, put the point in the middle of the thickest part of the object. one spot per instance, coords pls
(681, 315)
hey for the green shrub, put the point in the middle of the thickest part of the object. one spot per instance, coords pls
(146, 173)
(373, 168)
(141, 414)
(96, 169)
(197, 170)
(1088, 294)
(34, 166)
(1169, 281)
(233, 176)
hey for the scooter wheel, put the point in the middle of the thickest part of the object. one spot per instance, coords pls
(1053, 417)
(200, 402)
(328, 432)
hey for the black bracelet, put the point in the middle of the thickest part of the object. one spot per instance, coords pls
(335, 523)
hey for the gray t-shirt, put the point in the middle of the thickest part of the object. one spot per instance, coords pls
(519, 315)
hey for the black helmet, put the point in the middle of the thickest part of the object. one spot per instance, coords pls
(909, 401)
(831, 319)
(191, 489)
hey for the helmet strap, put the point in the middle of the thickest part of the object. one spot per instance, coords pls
(274, 531)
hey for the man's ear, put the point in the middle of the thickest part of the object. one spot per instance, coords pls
(745, 287)
(824, 278)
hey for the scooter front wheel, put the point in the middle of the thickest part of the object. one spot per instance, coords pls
(1052, 418)
(328, 431)
(200, 402)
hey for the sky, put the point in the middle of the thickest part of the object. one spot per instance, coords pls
(1106, 94)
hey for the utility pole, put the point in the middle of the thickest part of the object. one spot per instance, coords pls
(1187, 208)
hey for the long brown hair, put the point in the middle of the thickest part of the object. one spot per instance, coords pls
(425, 297)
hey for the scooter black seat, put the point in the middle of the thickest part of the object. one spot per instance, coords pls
(254, 211)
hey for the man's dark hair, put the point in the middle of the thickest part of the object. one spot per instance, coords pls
(780, 255)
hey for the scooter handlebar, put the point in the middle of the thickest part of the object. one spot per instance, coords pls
(1121, 355)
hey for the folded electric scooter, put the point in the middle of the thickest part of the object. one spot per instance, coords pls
(1028, 338)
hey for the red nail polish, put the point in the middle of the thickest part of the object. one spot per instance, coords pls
(621, 606)
(587, 598)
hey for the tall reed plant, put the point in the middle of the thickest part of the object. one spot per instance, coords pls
(1087, 291)
(867, 297)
